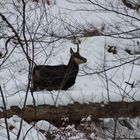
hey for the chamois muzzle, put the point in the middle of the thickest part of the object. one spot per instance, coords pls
(79, 59)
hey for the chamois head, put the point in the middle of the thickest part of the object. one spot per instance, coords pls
(76, 57)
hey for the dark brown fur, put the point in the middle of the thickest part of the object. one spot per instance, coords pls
(59, 77)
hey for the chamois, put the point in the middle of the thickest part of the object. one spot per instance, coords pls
(58, 77)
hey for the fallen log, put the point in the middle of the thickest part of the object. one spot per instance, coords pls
(76, 111)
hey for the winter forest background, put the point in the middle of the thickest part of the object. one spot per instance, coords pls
(41, 32)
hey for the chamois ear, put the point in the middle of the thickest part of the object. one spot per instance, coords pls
(71, 51)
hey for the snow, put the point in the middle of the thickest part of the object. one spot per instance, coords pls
(91, 85)
(45, 125)
(92, 136)
(97, 130)
(14, 125)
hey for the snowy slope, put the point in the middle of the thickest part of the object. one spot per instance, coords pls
(91, 85)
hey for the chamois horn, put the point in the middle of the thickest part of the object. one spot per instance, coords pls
(78, 47)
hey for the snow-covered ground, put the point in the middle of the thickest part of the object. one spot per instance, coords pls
(99, 130)
(93, 84)
(89, 87)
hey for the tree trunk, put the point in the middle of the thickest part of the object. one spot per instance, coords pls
(76, 111)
